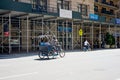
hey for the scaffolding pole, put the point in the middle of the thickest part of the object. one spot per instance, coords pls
(63, 35)
(27, 35)
(66, 35)
(42, 25)
(92, 33)
(81, 38)
(115, 30)
(72, 34)
(34, 26)
(58, 33)
(109, 29)
(19, 34)
(9, 33)
(2, 33)
(100, 36)
(56, 28)
(115, 35)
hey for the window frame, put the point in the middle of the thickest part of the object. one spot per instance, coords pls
(62, 4)
(83, 9)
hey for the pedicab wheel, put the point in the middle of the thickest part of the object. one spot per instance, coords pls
(40, 54)
(50, 55)
(61, 53)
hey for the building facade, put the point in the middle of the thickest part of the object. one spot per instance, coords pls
(106, 8)
(22, 21)
(109, 10)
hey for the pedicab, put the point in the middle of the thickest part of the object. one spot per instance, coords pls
(47, 49)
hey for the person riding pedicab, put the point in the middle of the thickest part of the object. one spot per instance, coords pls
(54, 43)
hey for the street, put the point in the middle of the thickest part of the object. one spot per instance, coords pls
(77, 65)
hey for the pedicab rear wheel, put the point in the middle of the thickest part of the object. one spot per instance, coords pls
(41, 55)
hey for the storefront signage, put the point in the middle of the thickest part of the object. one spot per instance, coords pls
(65, 13)
(93, 16)
(117, 21)
(116, 34)
(64, 29)
(6, 34)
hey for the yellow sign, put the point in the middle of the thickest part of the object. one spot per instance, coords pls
(80, 32)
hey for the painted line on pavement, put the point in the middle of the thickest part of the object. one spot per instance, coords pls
(19, 75)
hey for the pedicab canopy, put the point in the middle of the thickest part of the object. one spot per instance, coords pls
(45, 39)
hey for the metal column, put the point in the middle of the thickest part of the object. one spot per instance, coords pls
(72, 34)
(81, 38)
(115, 29)
(9, 33)
(92, 33)
(109, 29)
(2, 33)
(42, 25)
(19, 34)
(66, 35)
(115, 36)
(100, 36)
(34, 36)
(27, 35)
(58, 32)
(63, 35)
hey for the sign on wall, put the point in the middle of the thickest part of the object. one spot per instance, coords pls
(117, 21)
(116, 34)
(93, 16)
(64, 29)
(65, 13)
(80, 32)
(6, 29)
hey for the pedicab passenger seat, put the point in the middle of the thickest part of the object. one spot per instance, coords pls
(45, 48)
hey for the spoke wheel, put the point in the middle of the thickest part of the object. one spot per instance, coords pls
(41, 55)
(62, 53)
(51, 54)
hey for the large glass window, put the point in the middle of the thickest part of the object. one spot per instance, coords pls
(40, 5)
(103, 10)
(24, 1)
(96, 0)
(61, 4)
(111, 12)
(83, 9)
(16, 0)
(33, 4)
(111, 3)
(96, 8)
(66, 5)
(43, 4)
(103, 1)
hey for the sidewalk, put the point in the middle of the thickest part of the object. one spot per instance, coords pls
(25, 54)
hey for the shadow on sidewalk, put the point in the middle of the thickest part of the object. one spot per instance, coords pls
(44, 59)
(17, 55)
